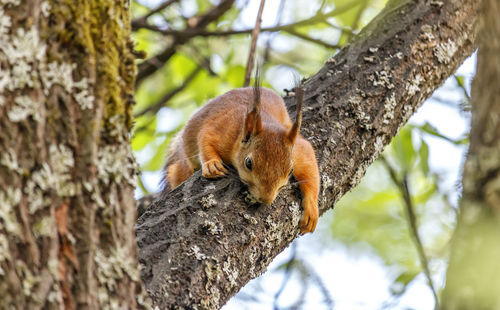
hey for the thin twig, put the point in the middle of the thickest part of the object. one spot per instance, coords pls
(247, 297)
(403, 187)
(253, 45)
(322, 287)
(151, 65)
(225, 33)
(286, 277)
(310, 275)
(166, 98)
(141, 21)
(313, 40)
(317, 18)
(203, 61)
(462, 86)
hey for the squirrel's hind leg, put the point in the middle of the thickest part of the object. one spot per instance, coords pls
(178, 172)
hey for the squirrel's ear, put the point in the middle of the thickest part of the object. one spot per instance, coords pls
(253, 122)
(294, 131)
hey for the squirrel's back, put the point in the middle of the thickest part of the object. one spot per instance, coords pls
(223, 118)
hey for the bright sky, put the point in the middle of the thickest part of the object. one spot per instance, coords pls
(354, 280)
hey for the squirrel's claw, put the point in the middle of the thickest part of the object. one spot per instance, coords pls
(213, 169)
(309, 219)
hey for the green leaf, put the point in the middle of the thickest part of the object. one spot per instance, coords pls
(401, 282)
(350, 17)
(181, 67)
(429, 129)
(236, 75)
(138, 9)
(144, 132)
(140, 140)
(427, 192)
(141, 186)
(403, 149)
(424, 157)
(460, 80)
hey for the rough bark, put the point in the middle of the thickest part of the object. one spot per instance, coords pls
(67, 207)
(200, 243)
(473, 277)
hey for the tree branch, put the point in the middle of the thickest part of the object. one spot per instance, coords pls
(142, 21)
(253, 45)
(317, 18)
(286, 276)
(166, 98)
(403, 188)
(194, 24)
(313, 40)
(200, 243)
(225, 33)
(196, 27)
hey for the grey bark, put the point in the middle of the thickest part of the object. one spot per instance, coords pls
(67, 173)
(473, 276)
(200, 243)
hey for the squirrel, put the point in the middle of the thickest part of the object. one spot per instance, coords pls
(250, 129)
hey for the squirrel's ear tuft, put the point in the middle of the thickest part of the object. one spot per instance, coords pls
(294, 131)
(253, 122)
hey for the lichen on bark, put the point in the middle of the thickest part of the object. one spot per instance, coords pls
(66, 209)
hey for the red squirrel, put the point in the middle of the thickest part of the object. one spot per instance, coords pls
(250, 129)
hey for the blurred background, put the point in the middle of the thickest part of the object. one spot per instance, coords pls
(386, 243)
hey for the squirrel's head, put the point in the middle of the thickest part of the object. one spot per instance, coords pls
(264, 161)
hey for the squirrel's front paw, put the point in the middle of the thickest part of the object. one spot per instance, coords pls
(310, 217)
(213, 169)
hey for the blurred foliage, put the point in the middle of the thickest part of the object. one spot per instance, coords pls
(221, 59)
(373, 212)
(204, 66)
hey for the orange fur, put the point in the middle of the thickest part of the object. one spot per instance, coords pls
(234, 128)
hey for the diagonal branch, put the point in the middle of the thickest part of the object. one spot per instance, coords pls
(313, 40)
(200, 243)
(253, 45)
(225, 33)
(319, 17)
(403, 188)
(195, 23)
(196, 27)
(142, 21)
(166, 98)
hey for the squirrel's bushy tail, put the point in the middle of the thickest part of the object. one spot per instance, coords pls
(173, 156)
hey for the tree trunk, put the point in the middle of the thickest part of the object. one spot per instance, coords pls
(67, 208)
(473, 278)
(200, 243)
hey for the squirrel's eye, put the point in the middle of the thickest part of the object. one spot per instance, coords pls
(248, 163)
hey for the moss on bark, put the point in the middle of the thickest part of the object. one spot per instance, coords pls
(66, 170)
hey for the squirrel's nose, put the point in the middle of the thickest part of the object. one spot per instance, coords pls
(267, 199)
